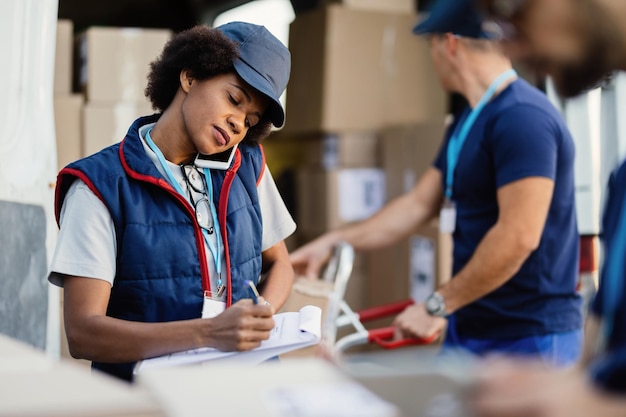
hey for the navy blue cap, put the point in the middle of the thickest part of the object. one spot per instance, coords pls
(460, 17)
(264, 63)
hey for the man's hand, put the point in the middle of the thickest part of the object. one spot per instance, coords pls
(309, 259)
(414, 321)
(243, 326)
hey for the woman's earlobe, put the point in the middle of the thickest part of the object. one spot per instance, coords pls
(186, 81)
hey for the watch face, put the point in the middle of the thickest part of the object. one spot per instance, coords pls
(435, 305)
(432, 304)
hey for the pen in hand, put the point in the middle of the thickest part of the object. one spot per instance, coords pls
(254, 294)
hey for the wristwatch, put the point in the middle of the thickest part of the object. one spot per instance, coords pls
(435, 305)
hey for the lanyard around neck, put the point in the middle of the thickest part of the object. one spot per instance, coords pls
(463, 128)
(214, 247)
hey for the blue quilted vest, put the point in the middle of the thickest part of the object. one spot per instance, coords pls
(161, 264)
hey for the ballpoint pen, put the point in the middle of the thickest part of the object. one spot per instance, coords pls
(254, 294)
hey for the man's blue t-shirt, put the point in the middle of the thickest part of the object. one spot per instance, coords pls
(610, 371)
(519, 134)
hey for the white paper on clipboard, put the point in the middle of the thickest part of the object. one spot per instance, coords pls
(292, 330)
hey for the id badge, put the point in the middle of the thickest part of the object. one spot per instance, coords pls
(447, 217)
(212, 308)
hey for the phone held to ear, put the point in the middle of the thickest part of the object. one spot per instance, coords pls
(221, 160)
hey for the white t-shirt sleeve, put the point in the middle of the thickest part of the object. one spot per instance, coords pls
(277, 222)
(86, 244)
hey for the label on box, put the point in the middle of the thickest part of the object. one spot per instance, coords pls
(330, 152)
(422, 264)
(361, 193)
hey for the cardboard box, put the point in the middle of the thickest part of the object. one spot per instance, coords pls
(63, 57)
(114, 62)
(359, 70)
(407, 152)
(413, 268)
(318, 293)
(329, 199)
(342, 150)
(106, 124)
(68, 128)
(34, 384)
(395, 6)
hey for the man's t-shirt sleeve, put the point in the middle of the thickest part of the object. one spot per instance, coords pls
(525, 142)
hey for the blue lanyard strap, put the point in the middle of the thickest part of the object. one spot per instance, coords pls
(214, 247)
(217, 255)
(464, 126)
(612, 286)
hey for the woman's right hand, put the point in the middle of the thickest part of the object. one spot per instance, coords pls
(242, 326)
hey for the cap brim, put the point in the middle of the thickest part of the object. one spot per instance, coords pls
(424, 27)
(255, 80)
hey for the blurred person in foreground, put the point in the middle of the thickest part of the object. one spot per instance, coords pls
(578, 43)
(154, 245)
(503, 184)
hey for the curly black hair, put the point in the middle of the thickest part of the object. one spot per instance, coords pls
(205, 53)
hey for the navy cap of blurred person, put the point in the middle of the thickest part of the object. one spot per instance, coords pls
(459, 17)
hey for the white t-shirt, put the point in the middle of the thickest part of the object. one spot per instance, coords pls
(87, 246)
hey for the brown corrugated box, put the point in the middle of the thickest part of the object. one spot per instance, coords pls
(395, 6)
(359, 70)
(34, 384)
(114, 62)
(106, 124)
(63, 57)
(328, 199)
(406, 153)
(317, 292)
(413, 268)
(68, 128)
(342, 150)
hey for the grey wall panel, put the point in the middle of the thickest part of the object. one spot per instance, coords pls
(23, 272)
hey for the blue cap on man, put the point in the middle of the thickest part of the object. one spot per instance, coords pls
(460, 17)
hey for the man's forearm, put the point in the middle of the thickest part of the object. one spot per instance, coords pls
(497, 258)
(399, 218)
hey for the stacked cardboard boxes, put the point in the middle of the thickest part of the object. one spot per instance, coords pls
(340, 182)
(110, 77)
(67, 105)
(394, 6)
(414, 267)
(107, 68)
(357, 70)
(112, 69)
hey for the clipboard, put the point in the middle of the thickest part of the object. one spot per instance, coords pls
(293, 330)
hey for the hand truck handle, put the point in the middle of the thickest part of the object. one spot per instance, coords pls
(383, 338)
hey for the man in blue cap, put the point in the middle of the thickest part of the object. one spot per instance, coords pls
(503, 184)
(159, 233)
(577, 42)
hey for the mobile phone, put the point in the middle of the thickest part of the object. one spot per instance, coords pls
(220, 160)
